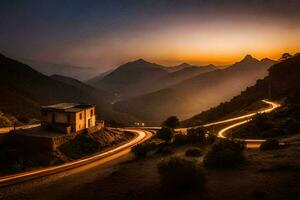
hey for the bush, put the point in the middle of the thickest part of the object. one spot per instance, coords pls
(165, 134)
(164, 150)
(141, 150)
(224, 154)
(269, 144)
(210, 139)
(181, 174)
(82, 145)
(172, 122)
(195, 152)
(196, 135)
(180, 139)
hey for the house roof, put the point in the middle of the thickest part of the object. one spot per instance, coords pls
(67, 107)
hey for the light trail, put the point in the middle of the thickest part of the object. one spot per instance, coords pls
(273, 105)
(20, 177)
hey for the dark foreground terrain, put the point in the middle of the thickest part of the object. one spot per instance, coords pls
(265, 175)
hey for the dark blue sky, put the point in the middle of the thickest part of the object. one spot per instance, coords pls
(106, 33)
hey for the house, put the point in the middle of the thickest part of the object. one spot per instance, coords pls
(68, 117)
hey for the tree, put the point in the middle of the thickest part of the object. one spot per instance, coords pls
(165, 134)
(171, 122)
(285, 56)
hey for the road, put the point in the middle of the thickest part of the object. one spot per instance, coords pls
(121, 150)
(250, 143)
(141, 136)
(7, 129)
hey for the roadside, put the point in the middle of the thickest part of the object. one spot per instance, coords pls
(269, 175)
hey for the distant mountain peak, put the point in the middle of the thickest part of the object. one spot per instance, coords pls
(184, 64)
(248, 58)
(266, 59)
(140, 61)
(211, 65)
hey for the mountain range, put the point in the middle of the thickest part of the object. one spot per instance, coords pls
(47, 68)
(141, 77)
(23, 90)
(282, 83)
(136, 91)
(197, 93)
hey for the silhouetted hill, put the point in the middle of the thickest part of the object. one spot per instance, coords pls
(82, 86)
(282, 82)
(98, 78)
(178, 67)
(23, 90)
(196, 94)
(77, 72)
(141, 77)
(184, 74)
(132, 78)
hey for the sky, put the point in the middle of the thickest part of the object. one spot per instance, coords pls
(106, 33)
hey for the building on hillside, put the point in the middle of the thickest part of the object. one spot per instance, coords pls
(68, 117)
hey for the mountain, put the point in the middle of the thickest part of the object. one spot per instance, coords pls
(178, 67)
(282, 83)
(77, 72)
(132, 78)
(184, 74)
(99, 77)
(141, 77)
(183, 66)
(23, 90)
(197, 93)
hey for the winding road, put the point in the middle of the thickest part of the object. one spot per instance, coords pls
(250, 143)
(140, 136)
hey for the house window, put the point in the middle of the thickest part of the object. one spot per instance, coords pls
(80, 115)
(92, 112)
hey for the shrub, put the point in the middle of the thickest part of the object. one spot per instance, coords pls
(181, 174)
(196, 135)
(172, 122)
(165, 134)
(141, 150)
(82, 145)
(164, 150)
(224, 154)
(180, 139)
(195, 152)
(269, 144)
(210, 139)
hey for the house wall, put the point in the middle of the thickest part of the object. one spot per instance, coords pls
(60, 117)
(82, 123)
(77, 123)
(89, 116)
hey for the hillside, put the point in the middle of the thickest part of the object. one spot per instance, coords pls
(281, 83)
(132, 78)
(77, 72)
(141, 77)
(82, 86)
(98, 78)
(196, 94)
(23, 90)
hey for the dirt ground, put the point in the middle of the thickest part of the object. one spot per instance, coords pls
(266, 175)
